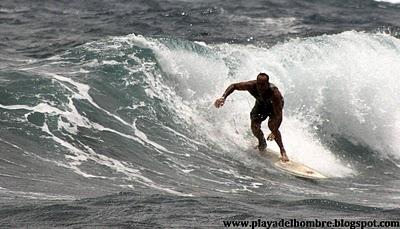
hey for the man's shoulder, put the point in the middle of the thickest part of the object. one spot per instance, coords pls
(275, 90)
(250, 82)
(246, 85)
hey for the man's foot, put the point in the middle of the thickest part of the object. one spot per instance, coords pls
(262, 146)
(284, 157)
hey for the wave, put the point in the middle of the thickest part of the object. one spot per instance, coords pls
(390, 1)
(137, 108)
(340, 85)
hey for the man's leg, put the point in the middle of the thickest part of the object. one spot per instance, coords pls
(278, 140)
(257, 132)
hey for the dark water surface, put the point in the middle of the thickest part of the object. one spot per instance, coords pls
(106, 116)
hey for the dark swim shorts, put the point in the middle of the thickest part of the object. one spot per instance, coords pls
(261, 111)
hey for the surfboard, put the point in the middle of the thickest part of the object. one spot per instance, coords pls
(292, 167)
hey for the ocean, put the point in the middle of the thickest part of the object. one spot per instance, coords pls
(107, 116)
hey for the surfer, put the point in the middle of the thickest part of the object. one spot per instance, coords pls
(269, 103)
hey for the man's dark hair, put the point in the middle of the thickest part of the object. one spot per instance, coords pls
(262, 74)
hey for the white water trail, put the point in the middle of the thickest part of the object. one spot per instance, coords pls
(347, 84)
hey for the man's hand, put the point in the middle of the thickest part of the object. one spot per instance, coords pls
(271, 137)
(219, 102)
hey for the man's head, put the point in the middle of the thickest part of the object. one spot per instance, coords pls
(262, 82)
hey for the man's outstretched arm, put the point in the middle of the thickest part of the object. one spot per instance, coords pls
(242, 86)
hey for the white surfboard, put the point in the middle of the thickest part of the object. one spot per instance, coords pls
(292, 167)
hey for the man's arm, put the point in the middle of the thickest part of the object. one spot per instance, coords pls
(241, 86)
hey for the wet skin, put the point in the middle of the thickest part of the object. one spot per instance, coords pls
(266, 93)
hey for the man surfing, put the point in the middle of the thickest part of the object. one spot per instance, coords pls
(269, 103)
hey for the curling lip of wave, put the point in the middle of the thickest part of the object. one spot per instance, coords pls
(291, 64)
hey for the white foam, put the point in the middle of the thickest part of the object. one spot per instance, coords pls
(35, 195)
(75, 119)
(80, 156)
(346, 82)
(390, 1)
(41, 107)
(303, 146)
(110, 62)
